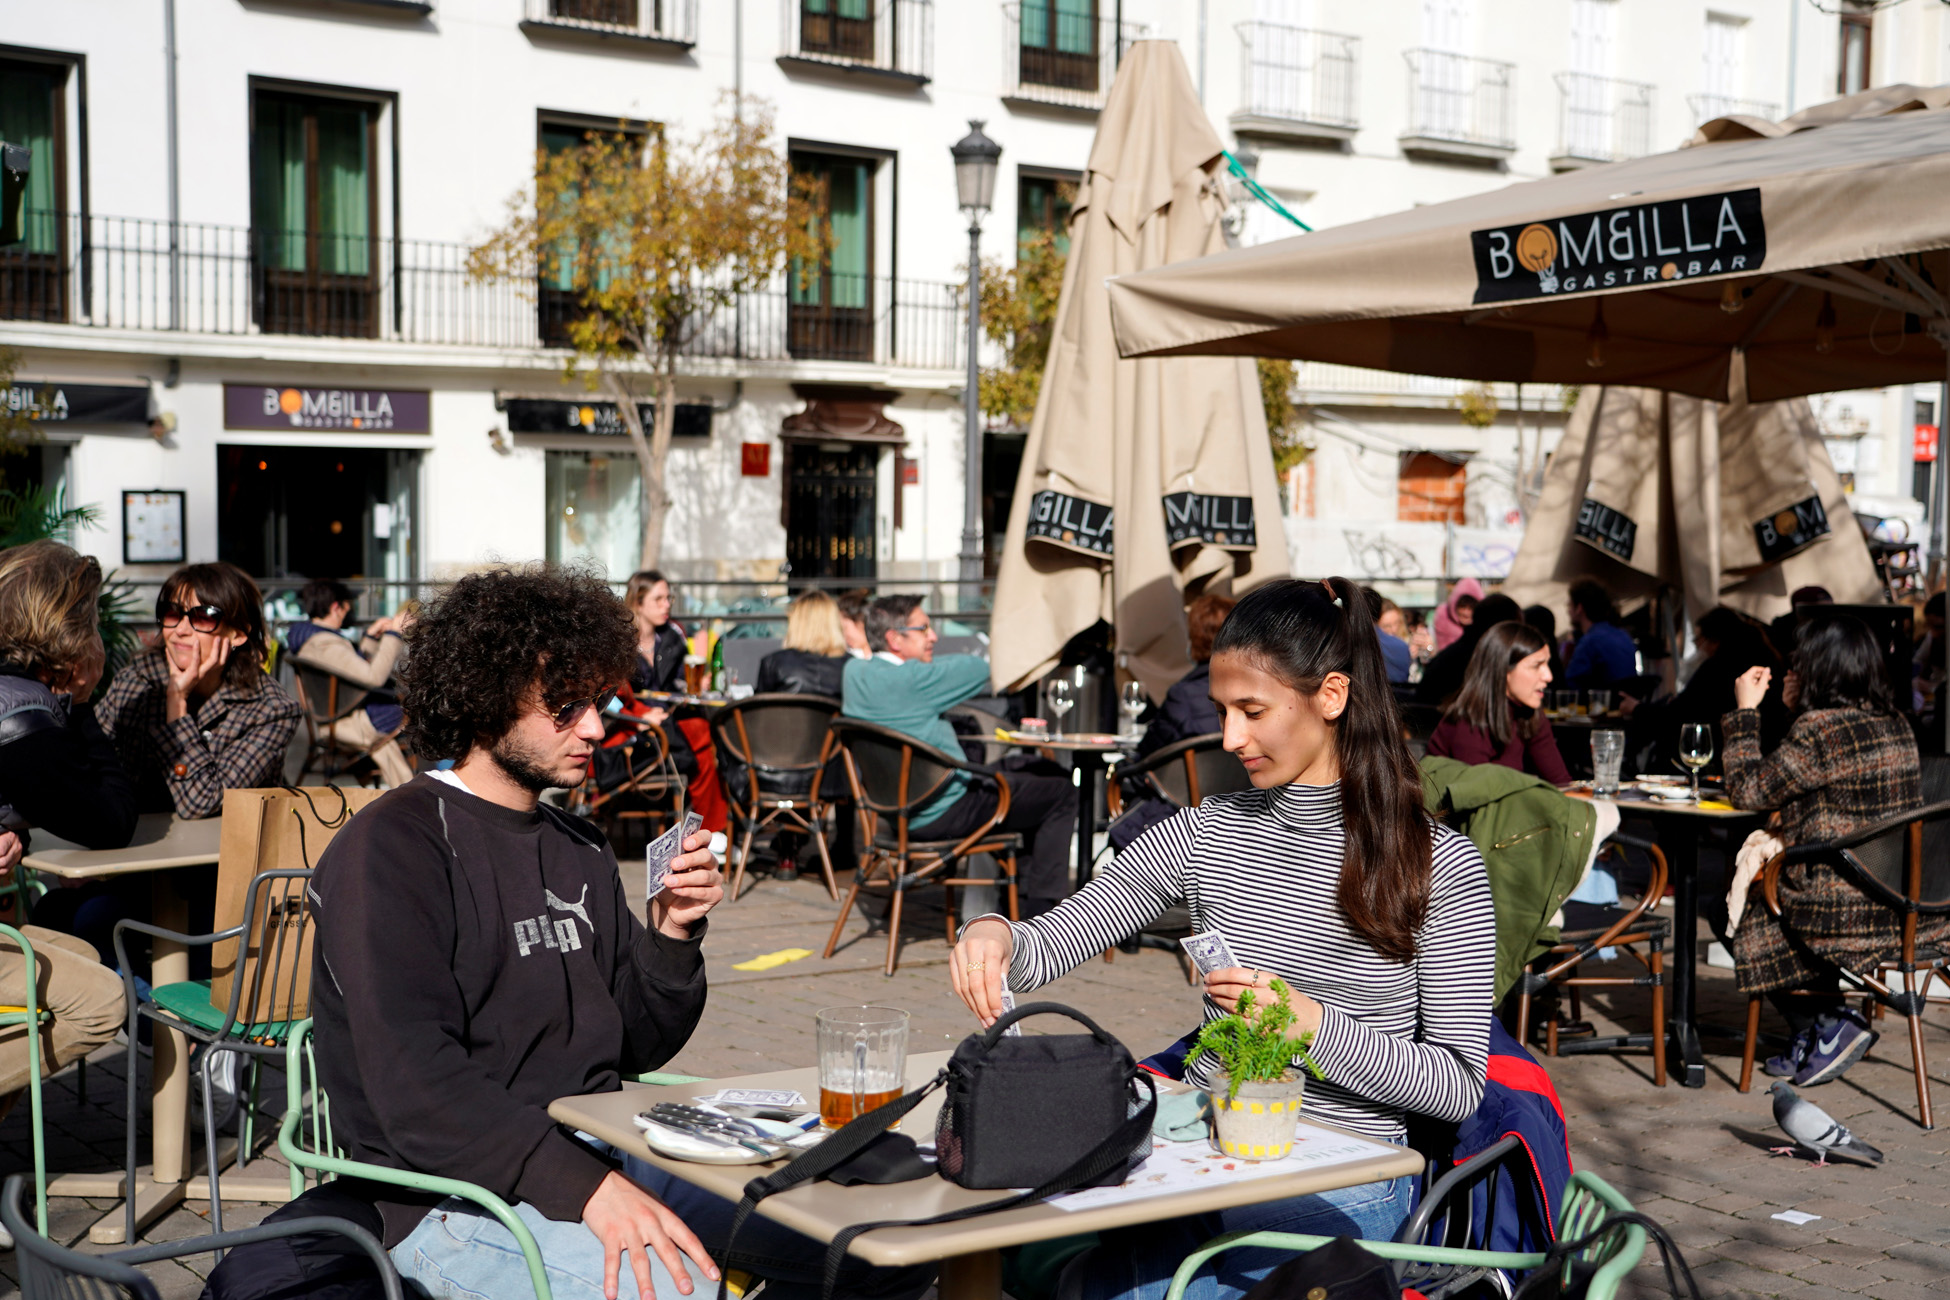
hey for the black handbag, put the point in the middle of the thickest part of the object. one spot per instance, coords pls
(1054, 1113)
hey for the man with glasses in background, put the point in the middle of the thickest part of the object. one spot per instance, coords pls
(477, 958)
(906, 688)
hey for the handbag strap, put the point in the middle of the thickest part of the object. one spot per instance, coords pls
(1094, 1164)
(1027, 1009)
(845, 1143)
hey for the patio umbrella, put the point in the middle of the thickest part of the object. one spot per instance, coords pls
(1142, 481)
(1732, 504)
(1814, 247)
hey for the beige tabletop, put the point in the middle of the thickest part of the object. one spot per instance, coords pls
(162, 840)
(1090, 742)
(821, 1209)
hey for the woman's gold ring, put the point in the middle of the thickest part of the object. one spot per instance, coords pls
(976, 965)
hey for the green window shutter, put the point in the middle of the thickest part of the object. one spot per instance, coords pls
(344, 190)
(1076, 22)
(1035, 24)
(850, 193)
(27, 92)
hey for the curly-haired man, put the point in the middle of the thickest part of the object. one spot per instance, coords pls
(476, 959)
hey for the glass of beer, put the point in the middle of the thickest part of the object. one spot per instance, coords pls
(694, 674)
(862, 1061)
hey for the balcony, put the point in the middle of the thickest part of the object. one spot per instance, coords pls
(657, 25)
(132, 274)
(1601, 120)
(1460, 108)
(1298, 84)
(1054, 59)
(892, 40)
(1707, 107)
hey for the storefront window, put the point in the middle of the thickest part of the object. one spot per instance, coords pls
(595, 510)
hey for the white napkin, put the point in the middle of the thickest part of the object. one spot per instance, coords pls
(1760, 848)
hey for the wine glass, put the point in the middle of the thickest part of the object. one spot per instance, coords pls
(1059, 696)
(1695, 750)
(1131, 701)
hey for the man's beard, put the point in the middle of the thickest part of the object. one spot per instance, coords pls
(519, 766)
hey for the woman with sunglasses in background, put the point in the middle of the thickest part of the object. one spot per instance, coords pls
(197, 716)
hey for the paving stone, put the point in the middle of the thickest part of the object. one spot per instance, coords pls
(1898, 1291)
(1839, 1276)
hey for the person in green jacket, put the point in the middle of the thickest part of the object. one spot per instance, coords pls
(904, 686)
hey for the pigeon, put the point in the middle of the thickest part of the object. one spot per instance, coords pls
(1814, 1128)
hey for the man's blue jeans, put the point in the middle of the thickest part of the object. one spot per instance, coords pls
(461, 1251)
(1138, 1263)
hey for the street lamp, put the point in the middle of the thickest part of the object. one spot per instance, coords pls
(976, 160)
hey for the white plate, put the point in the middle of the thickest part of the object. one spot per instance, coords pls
(1663, 780)
(679, 1145)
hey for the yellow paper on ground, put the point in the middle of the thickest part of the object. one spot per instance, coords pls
(771, 959)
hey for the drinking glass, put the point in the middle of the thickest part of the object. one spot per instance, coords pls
(1695, 750)
(1566, 702)
(862, 1060)
(1131, 702)
(1600, 703)
(1059, 695)
(1607, 757)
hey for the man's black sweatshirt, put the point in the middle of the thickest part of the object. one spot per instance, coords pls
(473, 964)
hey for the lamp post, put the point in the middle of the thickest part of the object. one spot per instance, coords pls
(976, 160)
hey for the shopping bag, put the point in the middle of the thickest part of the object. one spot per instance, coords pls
(269, 830)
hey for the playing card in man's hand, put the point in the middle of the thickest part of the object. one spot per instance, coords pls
(1209, 951)
(663, 849)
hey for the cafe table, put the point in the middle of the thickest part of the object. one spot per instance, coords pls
(163, 846)
(1088, 752)
(1682, 825)
(969, 1251)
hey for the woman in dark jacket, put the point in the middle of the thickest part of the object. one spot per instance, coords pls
(1848, 762)
(1730, 644)
(1498, 715)
(814, 651)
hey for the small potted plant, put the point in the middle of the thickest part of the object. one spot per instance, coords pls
(1253, 1113)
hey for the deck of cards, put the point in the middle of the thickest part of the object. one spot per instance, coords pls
(1209, 951)
(663, 849)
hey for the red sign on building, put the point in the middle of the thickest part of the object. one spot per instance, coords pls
(755, 459)
(1926, 441)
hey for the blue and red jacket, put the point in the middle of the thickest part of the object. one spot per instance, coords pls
(1518, 1101)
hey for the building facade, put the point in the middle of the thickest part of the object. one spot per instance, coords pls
(242, 303)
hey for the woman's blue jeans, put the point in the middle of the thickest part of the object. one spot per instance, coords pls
(1138, 1263)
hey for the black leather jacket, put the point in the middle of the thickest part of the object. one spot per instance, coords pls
(801, 672)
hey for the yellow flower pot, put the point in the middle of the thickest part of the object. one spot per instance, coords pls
(1257, 1123)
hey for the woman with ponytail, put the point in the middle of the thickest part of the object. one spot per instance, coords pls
(1329, 875)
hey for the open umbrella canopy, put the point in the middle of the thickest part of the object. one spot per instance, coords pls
(1815, 247)
(1141, 480)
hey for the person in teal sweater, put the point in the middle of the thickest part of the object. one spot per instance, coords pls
(906, 688)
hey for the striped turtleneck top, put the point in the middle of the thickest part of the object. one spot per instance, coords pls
(1261, 867)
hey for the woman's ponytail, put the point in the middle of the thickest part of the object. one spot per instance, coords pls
(1301, 632)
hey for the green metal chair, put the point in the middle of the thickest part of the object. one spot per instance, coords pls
(1587, 1201)
(307, 1141)
(32, 1016)
(277, 915)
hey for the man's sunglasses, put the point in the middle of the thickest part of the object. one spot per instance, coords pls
(203, 618)
(571, 713)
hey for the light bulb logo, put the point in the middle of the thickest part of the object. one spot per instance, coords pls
(1537, 251)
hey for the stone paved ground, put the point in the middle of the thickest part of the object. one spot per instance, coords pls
(1695, 1160)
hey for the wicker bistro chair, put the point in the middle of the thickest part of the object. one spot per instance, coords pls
(306, 1138)
(254, 1021)
(773, 750)
(327, 700)
(1898, 864)
(34, 1018)
(52, 1272)
(1588, 1201)
(651, 789)
(892, 775)
(1630, 929)
(1181, 774)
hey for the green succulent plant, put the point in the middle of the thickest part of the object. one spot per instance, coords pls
(1253, 1043)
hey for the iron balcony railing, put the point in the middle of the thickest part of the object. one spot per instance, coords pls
(138, 274)
(891, 36)
(1053, 56)
(1706, 107)
(654, 20)
(1461, 98)
(1296, 74)
(1603, 119)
